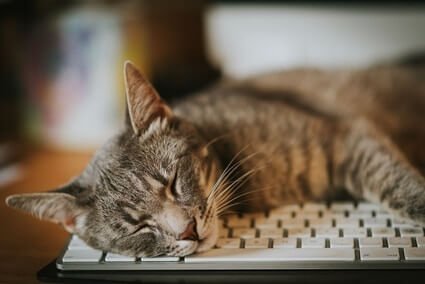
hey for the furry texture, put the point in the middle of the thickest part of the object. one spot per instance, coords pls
(253, 145)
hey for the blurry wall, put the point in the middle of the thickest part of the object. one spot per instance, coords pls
(250, 37)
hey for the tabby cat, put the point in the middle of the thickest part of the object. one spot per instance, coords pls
(159, 185)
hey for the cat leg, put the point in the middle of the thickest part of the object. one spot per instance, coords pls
(370, 166)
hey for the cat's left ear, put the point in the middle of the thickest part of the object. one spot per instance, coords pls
(51, 206)
(144, 105)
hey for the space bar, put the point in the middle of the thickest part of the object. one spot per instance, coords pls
(272, 255)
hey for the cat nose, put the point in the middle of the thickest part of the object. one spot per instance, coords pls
(190, 232)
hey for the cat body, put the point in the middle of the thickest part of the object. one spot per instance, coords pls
(302, 125)
(160, 184)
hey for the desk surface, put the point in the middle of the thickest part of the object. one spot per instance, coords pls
(27, 244)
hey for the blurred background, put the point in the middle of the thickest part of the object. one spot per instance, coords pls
(61, 61)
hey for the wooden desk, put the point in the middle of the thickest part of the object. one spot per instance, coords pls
(27, 244)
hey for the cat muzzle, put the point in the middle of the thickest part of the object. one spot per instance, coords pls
(190, 232)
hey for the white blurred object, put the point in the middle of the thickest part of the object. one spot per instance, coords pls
(84, 99)
(9, 174)
(10, 171)
(246, 39)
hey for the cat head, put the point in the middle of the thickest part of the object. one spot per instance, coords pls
(145, 192)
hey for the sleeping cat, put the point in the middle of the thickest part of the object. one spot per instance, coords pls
(159, 185)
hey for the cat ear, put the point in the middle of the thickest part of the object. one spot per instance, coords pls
(144, 105)
(55, 207)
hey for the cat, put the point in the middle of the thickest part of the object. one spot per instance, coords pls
(159, 186)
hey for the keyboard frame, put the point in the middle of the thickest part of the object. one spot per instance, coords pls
(283, 265)
(237, 266)
(50, 274)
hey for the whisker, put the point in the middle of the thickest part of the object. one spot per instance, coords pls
(228, 212)
(228, 168)
(233, 199)
(227, 172)
(215, 139)
(231, 188)
(231, 170)
(229, 202)
(225, 209)
(222, 195)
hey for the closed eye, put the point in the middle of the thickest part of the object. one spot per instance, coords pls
(143, 228)
(173, 186)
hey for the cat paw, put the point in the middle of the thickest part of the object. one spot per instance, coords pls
(183, 248)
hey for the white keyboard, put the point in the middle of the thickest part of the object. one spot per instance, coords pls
(312, 236)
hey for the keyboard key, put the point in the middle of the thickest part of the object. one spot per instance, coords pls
(342, 206)
(355, 232)
(383, 214)
(411, 232)
(257, 243)
(285, 243)
(160, 259)
(379, 254)
(370, 242)
(290, 208)
(244, 233)
(266, 223)
(414, 253)
(271, 233)
(341, 242)
(293, 223)
(399, 223)
(327, 233)
(223, 233)
(312, 242)
(82, 255)
(299, 232)
(238, 223)
(307, 215)
(374, 222)
(76, 242)
(314, 207)
(360, 214)
(347, 222)
(321, 222)
(228, 243)
(279, 215)
(333, 215)
(420, 241)
(272, 255)
(267, 226)
(112, 257)
(383, 232)
(366, 206)
(402, 242)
